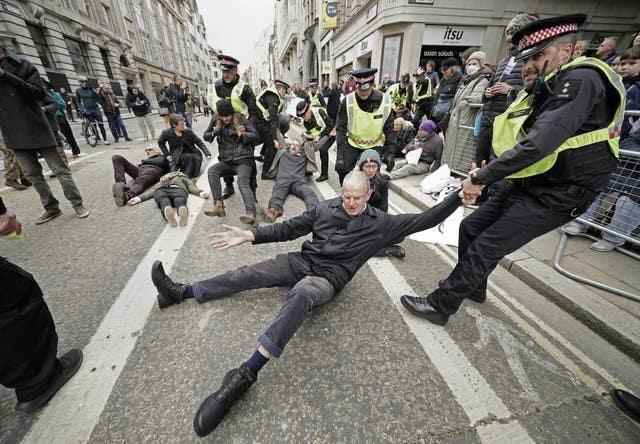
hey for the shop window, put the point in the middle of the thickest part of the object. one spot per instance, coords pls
(105, 60)
(44, 52)
(79, 56)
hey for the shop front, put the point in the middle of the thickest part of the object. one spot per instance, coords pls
(441, 42)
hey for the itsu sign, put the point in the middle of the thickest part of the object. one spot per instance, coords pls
(450, 35)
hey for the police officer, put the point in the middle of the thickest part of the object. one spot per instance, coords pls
(320, 129)
(364, 121)
(314, 95)
(402, 97)
(270, 103)
(423, 98)
(556, 145)
(240, 94)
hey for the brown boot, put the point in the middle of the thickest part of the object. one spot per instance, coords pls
(16, 185)
(218, 209)
(249, 218)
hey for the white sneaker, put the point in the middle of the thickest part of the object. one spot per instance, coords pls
(575, 228)
(106, 142)
(82, 212)
(170, 215)
(183, 214)
(604, 246)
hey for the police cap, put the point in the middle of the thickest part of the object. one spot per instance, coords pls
(282, 83)
(227, 62)
(302, 108)
(364, 75)
(538, 35)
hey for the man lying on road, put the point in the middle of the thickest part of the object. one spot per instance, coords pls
(346, 233)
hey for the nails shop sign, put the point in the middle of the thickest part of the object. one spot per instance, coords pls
(453, 35)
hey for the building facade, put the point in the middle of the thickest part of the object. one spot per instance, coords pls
(125, 43)
(396, 36)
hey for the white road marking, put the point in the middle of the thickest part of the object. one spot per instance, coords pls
(73, 413)
(45, 173)
(472, 392)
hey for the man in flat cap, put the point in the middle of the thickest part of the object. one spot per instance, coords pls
(232, 88)
(556, 144)
(365, 121)
(270, 103)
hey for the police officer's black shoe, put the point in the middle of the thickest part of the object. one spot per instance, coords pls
(228, 192)
(628, 403)
(322, 178)
(423, 309)
(213, 410)
(169, 292)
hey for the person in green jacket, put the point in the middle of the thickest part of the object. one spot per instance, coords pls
(171, 195)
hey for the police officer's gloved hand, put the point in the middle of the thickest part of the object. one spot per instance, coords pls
(208, 136)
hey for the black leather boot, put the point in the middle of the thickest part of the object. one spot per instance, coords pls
(169, 292)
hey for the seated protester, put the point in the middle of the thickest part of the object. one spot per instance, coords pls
(320, 130)
(185, 149)
(171, 195)
(145, 175)
(626, 217)
(405, 133)
(236, 137)
(291, 178)
(369, 164)
(430, 143)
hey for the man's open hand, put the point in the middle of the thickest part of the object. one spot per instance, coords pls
(231, 237)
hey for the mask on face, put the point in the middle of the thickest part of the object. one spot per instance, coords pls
(472, 69)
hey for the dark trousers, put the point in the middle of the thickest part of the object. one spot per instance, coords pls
(485, 137)
(117, 126)
(190, 163)
(244, 170)
(95, 116)
(347, 159)
(143, 176)
(423, 109)
(29, 341)
(508, 220)
(299, 188)
(70, 112)
(170, 197)
(268, 150)
(66, 131)
(323, 146)
(305, 293)
(32, 169)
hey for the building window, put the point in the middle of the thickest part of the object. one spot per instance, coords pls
(44, 52)
(106, 18)
(79, 56)
(105, 59)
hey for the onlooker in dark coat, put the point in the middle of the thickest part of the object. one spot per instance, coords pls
(446, 92)
(88, 103)
(333, 104)
(111, 105)
(141, 108)
(28, 133)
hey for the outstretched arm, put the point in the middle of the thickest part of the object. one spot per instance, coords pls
(232, 237)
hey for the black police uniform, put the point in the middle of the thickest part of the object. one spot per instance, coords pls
(268, 130)
(325, 139)
(347, 155)
(578, 101)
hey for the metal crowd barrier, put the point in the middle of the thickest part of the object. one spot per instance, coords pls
(462, 151)
(617, 212)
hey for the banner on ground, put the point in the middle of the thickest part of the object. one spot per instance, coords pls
(329, 14)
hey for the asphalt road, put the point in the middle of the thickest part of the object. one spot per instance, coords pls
(360, 370)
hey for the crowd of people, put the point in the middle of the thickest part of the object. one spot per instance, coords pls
(547, 144)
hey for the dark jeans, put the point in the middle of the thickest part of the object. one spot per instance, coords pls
(305, 293)
(299, 188)
(507, 221)
(268, 150)
(65, 129)
(244, 171)
(29, 341)
(170, 197)
(32, 169)
(95, 116)
(117, 126)
(143, 176)
(190, 163)
(485, 137)
(323, 146)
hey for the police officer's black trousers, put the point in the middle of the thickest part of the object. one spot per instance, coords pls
(323, 147)
(423, 109)
(507, 221)
(29, 341)
(268, 150)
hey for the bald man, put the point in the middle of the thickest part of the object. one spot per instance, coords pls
(346, 233)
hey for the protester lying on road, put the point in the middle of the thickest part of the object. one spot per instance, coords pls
(145, 175)
(346, 233)
(171, 195)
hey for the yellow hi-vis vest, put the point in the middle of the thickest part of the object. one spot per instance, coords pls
(366, 130)
(320, 123)
(265, 111)
(236, 93)
(420, 92)
(508, 132)
(315, 100)
(398, 99)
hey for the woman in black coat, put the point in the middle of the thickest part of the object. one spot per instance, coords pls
(185, 148)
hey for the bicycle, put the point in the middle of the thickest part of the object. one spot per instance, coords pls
(90, 130)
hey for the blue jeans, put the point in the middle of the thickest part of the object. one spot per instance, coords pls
(305, 293)
(117, 126)
(624, 221)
